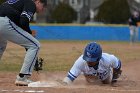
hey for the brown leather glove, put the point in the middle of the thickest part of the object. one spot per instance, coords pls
(116, 75)
(39, 64)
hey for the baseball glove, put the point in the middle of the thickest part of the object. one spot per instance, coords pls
(39, 64)
(116, 75)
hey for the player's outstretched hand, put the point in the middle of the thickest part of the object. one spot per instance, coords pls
(62, 83)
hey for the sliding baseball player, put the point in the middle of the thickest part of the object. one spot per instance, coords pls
(94, 64)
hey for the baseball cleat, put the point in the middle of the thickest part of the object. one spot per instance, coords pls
(24, 81)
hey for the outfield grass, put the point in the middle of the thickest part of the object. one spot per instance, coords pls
(60, 55)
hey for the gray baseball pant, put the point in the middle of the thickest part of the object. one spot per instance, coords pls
(11, 32)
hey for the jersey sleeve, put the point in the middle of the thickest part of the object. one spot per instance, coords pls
(29, 9)
(115, 62)
(26, 15)
(76, 69)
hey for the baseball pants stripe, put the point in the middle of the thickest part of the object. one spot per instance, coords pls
(30, 41)
(11, 32)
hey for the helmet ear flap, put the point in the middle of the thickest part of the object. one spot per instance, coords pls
(98, 59)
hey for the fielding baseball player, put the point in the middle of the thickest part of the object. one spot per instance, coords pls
(133, 26)
(95, 65)
(15, 16)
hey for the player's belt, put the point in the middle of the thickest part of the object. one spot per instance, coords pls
(2, 16)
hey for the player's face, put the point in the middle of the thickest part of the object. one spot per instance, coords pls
(39, 6)
(91, 64)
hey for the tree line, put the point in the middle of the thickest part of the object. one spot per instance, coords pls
(111, 11)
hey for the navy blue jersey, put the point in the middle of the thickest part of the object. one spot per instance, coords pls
(19, 11)
(133, 20)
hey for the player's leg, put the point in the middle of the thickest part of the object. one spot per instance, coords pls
(3, 44)
(136, 34)
(16, 35)
(38, 63)
(131, 34)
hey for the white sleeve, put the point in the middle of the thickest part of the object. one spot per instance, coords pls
(115, 62)
(76, 69)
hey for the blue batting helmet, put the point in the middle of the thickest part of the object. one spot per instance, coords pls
(93, 52)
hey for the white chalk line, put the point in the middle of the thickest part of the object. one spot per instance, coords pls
(42, 91)
(121, 90)
(25, 91)
(110, 89)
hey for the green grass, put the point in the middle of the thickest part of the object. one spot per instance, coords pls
(60, 55)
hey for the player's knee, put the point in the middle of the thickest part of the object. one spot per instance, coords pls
(38, 45)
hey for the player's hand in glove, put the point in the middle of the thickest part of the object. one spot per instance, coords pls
(39, 64)
(116, 75)
(117, 72)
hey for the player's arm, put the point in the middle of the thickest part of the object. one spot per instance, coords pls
(74, 72)
(26, 15)
(116, 64)
(117, 71)
(24, 22)
(130, 21)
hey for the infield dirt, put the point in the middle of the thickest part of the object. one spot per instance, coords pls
(129, 82)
